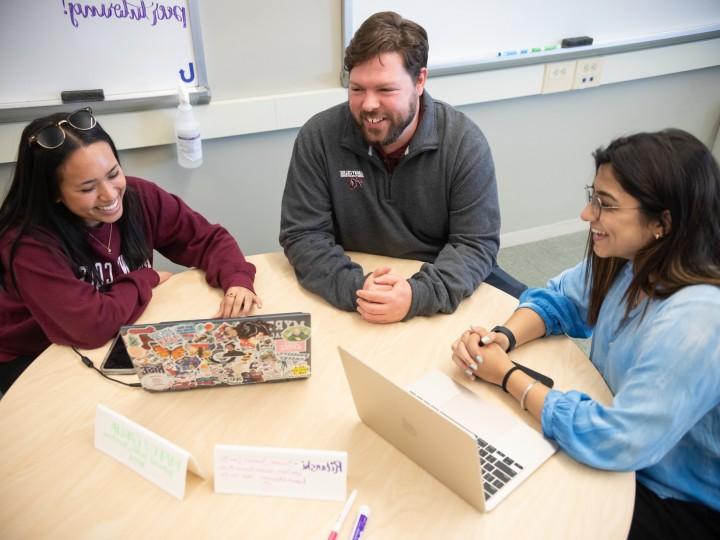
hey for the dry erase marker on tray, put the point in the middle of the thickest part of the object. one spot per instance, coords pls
(343, 514)
(360, 522)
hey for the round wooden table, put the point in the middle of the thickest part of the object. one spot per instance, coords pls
(56, 485)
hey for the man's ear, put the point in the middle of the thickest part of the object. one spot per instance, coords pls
(421, 80)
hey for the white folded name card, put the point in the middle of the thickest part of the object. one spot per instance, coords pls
(285, 472)
(151, 456)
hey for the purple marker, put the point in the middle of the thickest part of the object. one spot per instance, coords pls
(361, 522)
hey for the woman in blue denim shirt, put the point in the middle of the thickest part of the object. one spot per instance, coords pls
(648, 292)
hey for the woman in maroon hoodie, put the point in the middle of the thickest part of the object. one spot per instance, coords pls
(77, 239)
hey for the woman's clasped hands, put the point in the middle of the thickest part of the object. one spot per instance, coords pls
(480, 353)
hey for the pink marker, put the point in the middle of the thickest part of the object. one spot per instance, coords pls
(343, 514)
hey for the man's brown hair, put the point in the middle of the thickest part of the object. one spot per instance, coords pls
(388, 32)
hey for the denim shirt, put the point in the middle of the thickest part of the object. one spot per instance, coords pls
(663, 368)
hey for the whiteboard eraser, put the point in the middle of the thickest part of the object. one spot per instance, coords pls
(72, 96)
(579, 41)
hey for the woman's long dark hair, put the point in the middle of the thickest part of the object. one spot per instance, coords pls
(668, 170)
(31, 206)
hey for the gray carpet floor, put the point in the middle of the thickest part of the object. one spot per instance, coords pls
(535, 263)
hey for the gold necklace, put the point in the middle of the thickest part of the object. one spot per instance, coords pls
(99, 242)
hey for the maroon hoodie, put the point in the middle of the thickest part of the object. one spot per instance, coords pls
(54, 306)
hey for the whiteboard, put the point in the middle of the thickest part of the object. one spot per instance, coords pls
(469, 35)
(135, 51)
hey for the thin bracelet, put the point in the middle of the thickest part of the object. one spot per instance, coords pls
(508, 334)
(525, 394)
(506, 378)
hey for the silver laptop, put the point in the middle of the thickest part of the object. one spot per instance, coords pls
(475, 448)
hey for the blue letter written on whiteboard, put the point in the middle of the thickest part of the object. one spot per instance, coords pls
(189, 78)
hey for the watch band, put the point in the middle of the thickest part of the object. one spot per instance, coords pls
(508, 334)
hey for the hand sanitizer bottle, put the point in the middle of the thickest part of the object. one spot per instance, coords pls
(187, 133)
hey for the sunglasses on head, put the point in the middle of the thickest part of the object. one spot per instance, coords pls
(53, 136)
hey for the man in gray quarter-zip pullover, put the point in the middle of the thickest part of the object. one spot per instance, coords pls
(391, 172)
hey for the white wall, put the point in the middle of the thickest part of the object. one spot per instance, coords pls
(543, 144)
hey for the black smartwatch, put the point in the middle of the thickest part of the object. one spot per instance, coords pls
(508, 334)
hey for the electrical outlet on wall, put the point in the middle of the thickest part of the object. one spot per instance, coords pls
(559, 77)
(588, 73)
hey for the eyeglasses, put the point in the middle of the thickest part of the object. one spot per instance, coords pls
(53, 136)
(597, 205)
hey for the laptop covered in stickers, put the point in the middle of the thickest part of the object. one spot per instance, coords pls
(181, 355)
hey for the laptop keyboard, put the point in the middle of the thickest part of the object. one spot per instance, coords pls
(498, 468)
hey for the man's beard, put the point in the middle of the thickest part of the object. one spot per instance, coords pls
(398, 124)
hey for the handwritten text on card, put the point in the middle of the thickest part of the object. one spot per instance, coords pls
(311, 474)
(153, 457)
